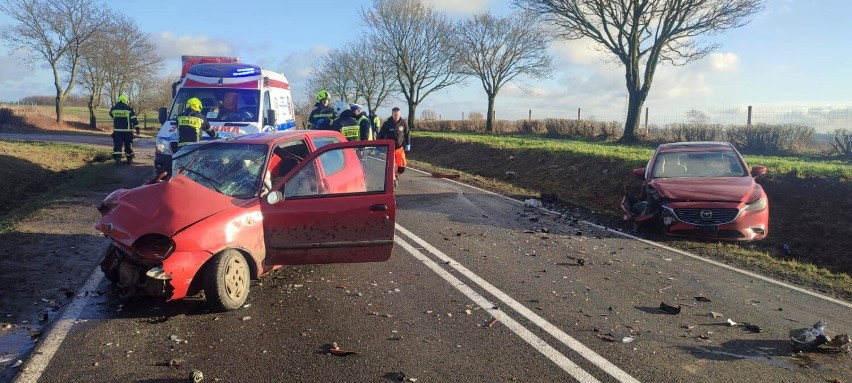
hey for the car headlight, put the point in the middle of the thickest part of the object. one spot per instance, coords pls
(163, 147)
(757, 205)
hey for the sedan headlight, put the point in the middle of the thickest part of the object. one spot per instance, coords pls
(757, 205)
(162, 146)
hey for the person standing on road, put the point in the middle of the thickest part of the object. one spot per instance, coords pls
(395, 129)
(376, 122)
(123, 122)
(191, 123)
(364, 125)
(323, 114)
(346, 124)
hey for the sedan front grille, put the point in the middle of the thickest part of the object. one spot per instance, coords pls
(704, 217)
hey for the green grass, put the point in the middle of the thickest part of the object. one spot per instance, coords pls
(639, 155)
(37, 174)
(81, 113)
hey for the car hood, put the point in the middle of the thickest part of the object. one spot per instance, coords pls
(722, 189)
(163, 208)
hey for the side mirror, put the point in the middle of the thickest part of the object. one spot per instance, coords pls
(639, 173)
(161, 115)
(269, 119)
(758, 170)
(274, 197)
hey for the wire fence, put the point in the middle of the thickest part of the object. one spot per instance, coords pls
(823, 118)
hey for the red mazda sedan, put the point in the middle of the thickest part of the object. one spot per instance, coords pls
(700, 189)
(237, 208)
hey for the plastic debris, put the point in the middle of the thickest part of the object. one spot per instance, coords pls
(714, 314)
(335, 350)
(731, 323)
(668, 309)
(196, 376)
(18, 363)
(627, 339)
(804, 339)
(532, 202)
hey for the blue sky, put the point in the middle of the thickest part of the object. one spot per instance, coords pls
(793, 57)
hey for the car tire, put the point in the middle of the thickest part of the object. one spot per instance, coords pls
(227, 280)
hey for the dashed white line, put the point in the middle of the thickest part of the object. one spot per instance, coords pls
(554, 331)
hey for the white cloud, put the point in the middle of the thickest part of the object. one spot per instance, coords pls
(724, 62)
(297, 66)
(459, 6)
(583, 51)
(170, 45)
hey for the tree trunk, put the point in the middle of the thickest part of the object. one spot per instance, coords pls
(412, 109)
(489, 120)
(634, 114)
(59, 101)
(93, 122)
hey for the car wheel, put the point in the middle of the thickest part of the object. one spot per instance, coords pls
(226, 282)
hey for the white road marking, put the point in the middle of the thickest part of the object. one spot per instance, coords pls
(540, 345)
(681, 252)
(42, 354)
(554, 331)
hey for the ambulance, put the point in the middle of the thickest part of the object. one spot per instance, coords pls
(237, 99)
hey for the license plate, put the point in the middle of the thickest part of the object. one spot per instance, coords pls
(708, 230)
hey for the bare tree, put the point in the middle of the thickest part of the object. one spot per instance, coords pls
(333, 72)
(643, 33)
(420, 42)
(147, 93)
(372, 77)
(92, 75)
(132, 56)
(500, 49)
(53, 31)
(428, 114)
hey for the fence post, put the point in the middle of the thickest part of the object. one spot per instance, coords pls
(748, 123)
(578, 113)
(530, 117)
(646, 121)
(462, 116)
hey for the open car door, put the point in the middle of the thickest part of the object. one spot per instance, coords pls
(336, 206)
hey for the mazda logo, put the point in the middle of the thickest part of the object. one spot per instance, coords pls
(706, 214)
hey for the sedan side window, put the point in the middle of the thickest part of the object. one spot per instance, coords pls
(352, 171)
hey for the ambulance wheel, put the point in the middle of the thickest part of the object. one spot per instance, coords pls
(226, 281)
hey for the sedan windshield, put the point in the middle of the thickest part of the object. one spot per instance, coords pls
(698, 164)
(229, 168)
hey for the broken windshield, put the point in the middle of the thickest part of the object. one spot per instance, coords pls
(229, 168)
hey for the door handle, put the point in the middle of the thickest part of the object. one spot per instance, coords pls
(379, 207)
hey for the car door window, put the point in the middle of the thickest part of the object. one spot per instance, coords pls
(354, 171)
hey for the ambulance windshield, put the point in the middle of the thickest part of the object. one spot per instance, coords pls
(221, 105)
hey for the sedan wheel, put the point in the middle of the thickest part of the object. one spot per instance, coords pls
(226, 283)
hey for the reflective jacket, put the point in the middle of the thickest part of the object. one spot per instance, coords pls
(348, 126)
(123, 118)
(321, 117)
(190, 124)
(365, 127)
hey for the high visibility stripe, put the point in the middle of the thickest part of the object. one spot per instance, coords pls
(120, 113)
(351, 132)
(193, 122)
(122, 130)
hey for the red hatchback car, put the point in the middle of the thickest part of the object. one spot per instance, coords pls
(237, 208)
(700, 189)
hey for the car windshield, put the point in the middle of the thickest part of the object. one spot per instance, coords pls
(698, 164)
(221, 105)
(232, 169)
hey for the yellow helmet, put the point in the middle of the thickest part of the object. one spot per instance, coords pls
(123, 99)
(194, 104)
(322, 95)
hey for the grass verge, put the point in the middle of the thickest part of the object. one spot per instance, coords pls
(36, 174)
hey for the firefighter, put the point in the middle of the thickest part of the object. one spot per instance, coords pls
(365, 127)
(191, 122)
(394, 128)
(123, 122)
(346, 123)
(323, 114)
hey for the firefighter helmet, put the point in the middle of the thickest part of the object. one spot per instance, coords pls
(194, 104)
(322, 95)
(123, 99)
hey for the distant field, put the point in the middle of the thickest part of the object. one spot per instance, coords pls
(81, 113)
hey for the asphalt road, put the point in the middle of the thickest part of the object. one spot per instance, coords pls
(479, 289)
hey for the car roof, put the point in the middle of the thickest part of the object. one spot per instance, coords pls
(275, 137)
(695, 146)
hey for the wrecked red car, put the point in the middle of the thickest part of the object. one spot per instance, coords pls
(700, 189)
(237, 208)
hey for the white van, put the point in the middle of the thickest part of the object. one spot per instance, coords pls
(237, 99)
